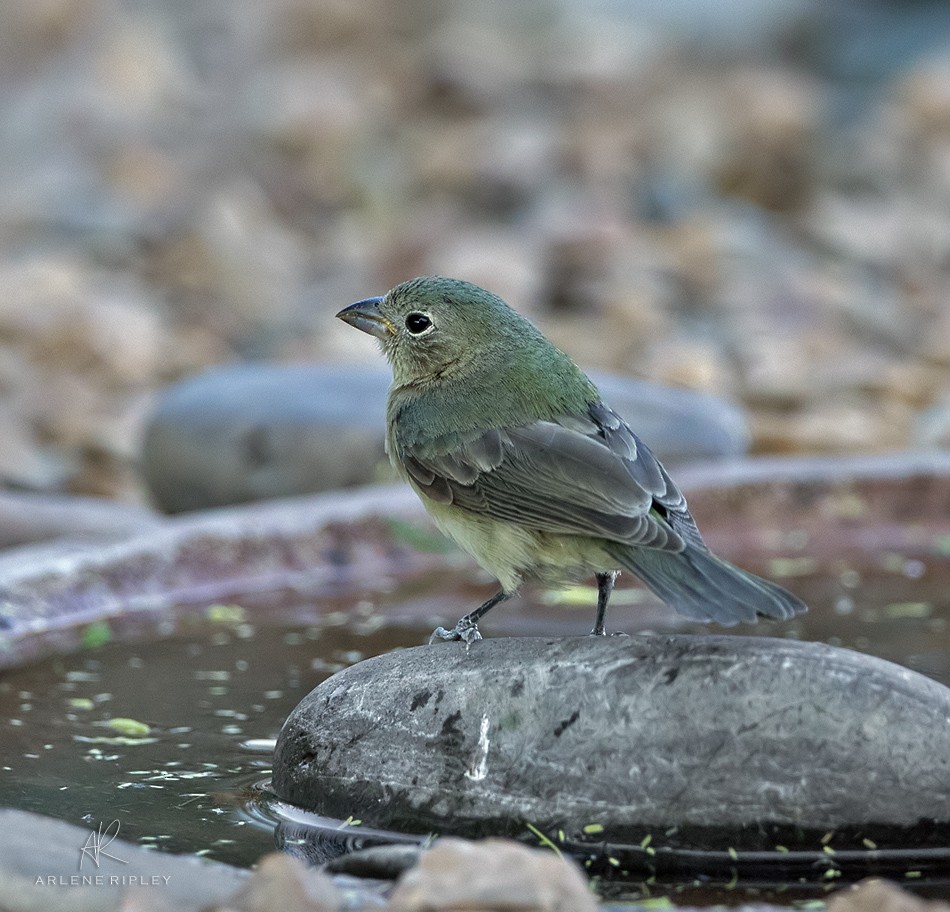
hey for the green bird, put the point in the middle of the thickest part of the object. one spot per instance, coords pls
(516, 457)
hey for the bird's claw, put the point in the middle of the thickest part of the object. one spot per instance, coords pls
(600, 632)
(467, 633)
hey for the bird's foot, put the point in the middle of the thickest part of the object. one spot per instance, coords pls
(601, 632)
(467, 633)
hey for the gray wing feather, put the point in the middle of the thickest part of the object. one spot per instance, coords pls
(577, 475)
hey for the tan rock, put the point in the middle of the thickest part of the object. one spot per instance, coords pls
(687, 362)
(35, 28)
(494, 875)
(875, 895)
(502, 260)
(937, 344)
(777, 370)
(847, 426)
(281, 882)
(137, 900)
(770, 157)
(925, 98)
(71, 319)
(138, 70)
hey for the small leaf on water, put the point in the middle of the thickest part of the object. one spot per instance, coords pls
(908, 610)
(98, 633)
(792, 566)
(130, 728)
(225, 614)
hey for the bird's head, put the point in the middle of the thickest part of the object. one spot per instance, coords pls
(433, 326)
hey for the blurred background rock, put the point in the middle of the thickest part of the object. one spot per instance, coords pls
(744, 198)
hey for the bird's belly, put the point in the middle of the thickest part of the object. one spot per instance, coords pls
(513, 553)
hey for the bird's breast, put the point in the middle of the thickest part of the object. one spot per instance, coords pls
(513, 553)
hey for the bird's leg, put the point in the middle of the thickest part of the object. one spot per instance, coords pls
(605, 585)
(466, 629)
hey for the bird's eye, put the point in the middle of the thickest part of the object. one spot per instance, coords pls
(417, 323)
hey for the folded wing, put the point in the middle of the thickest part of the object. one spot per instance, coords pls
(576, 475)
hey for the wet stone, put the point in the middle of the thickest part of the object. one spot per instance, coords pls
(713, 742)
(285, 883)
(492, 874)
(249, 432)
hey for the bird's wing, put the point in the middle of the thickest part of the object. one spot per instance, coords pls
(578, 475)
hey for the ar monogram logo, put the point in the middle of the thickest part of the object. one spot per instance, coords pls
(96, 844)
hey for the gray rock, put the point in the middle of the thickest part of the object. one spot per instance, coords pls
(256, 431)
(933, 427)
(40, 870)
(28, 517)
(722, 741)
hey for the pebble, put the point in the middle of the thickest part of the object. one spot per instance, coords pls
(285, 883)
(81, 351)
(491, 874)
(843, 427)
(770, 147)
(874, 895)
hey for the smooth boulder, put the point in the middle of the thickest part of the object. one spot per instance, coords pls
(254, 431)
(713, 741)
(257, 431)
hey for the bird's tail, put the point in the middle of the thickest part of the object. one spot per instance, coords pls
(704, 587)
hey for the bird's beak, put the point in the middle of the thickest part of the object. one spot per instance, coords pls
(365, 315)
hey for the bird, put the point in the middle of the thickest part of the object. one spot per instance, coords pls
(516, 457)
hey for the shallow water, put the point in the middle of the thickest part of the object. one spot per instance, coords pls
(166, 724)
(173, 734)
